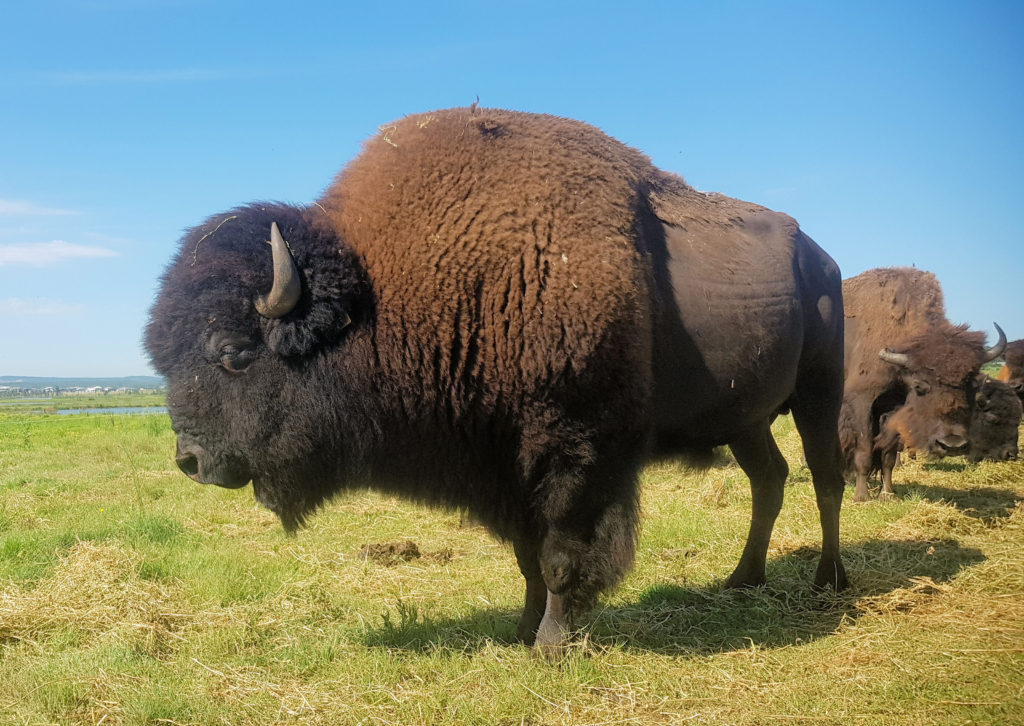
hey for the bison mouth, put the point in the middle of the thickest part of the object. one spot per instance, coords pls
(199, 466)
(949, 446)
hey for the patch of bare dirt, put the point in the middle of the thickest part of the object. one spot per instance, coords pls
(393, 553)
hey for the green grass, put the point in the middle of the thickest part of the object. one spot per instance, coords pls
(129, 595)
(13, 406)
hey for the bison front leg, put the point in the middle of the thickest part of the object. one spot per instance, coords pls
(528, 557)
(584, 498)
(544, 623)
(888, 456)
(553, 632)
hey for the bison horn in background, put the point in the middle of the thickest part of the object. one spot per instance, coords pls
(284, 294)
(996, 350)
(897, 359)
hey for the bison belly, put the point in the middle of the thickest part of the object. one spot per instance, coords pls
(730, 331)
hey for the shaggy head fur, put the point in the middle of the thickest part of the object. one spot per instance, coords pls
(995, 422)
(247, 393)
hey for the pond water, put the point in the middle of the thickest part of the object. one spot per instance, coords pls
(114, 411)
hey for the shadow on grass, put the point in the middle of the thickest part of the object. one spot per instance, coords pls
(677, 620)
(981, 502)
(955, 465)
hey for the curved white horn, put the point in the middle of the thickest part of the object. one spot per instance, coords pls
(285, 292)
(898, 359)
(996, 350)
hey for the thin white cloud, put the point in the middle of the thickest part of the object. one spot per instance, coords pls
(42, 254)
(14, 307)
(21, 208)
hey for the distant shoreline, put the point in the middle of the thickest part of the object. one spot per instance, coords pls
(54, 385)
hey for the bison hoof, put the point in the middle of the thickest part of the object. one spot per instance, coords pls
(552, 650)
(739, 580)
(552, 653)
(552, 639)
(526, 633)
(831, 575)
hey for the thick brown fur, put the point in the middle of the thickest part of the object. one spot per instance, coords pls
(509, 313)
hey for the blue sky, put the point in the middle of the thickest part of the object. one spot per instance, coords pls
(893, 131)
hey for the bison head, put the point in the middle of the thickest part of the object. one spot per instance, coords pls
(244, 328)
(938, 370)
(1012, 372)
(995, 422)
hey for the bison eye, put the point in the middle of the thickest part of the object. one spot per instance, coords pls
(236, 358)
(921, 388)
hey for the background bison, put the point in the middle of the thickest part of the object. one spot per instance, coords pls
(510, 313)
(992, 433)
(995, 422)
(908, 367)
(1012, 371)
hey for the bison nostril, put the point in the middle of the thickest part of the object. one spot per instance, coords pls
(188, 463)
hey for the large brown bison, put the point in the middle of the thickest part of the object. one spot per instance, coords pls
(906, 366)
(509, 313)
(1012, 371)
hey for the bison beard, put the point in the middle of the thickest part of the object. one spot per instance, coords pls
(509, 313)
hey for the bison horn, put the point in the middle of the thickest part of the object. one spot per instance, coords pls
(897, 359)
(996, 350)
(284, 294)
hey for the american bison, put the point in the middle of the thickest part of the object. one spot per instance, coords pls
(907, 366)
(995, 422)
(992, 433)
(1012, 371)
(509, 313)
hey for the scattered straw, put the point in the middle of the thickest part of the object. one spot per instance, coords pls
(94, 588)
(195, 250)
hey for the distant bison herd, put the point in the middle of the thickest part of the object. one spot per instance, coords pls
(511, 313)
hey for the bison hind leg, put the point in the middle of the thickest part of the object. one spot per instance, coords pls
(818, 431)
(758, 455)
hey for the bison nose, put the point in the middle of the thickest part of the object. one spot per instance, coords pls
(189, 464)
(187, 460)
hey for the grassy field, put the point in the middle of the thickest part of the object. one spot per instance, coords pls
(130, 595)
(11, 406)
